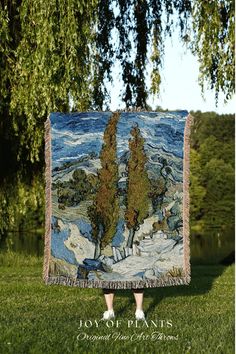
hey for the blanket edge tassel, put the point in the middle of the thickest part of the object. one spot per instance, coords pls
(132, 284)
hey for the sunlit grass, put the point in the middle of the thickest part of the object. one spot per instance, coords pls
(13, 259)
(36, 318)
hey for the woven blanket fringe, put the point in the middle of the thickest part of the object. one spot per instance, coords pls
(132, 284)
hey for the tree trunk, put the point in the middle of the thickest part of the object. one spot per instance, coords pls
(97, 250)
(98, 244)
(130, 238)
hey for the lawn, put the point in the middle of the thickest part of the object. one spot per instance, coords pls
(36, 318)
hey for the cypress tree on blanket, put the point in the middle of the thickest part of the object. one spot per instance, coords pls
(104, 212)
(138, 185)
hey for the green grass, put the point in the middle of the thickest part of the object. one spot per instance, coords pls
(36, 318)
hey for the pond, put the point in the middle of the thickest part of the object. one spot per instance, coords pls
(210, 247)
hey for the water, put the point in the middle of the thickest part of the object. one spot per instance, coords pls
(209, 247)
(212, 246)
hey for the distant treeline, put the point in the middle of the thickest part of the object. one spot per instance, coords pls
(211, 178)
(212, 170)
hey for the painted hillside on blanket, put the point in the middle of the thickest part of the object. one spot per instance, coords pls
(117, 195)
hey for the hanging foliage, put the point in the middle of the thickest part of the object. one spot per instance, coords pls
(58, 55)
(214, 43)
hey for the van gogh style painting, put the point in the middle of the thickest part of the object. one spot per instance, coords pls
(117, 199)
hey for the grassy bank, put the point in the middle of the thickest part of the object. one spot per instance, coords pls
(36, 318)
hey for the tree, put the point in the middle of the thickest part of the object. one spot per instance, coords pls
(197, 190)
(45, 64)
(157, 192)
(219, 199)
(212, 170)
(75, 190)
(58, 55)
(206, 28)
(213, 42)
(104, 212)
(138, 185)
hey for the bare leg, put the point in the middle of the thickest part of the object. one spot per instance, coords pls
(109, 296)
(109, 300)
(138, 295)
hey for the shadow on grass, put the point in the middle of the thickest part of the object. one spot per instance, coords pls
(202, 278)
